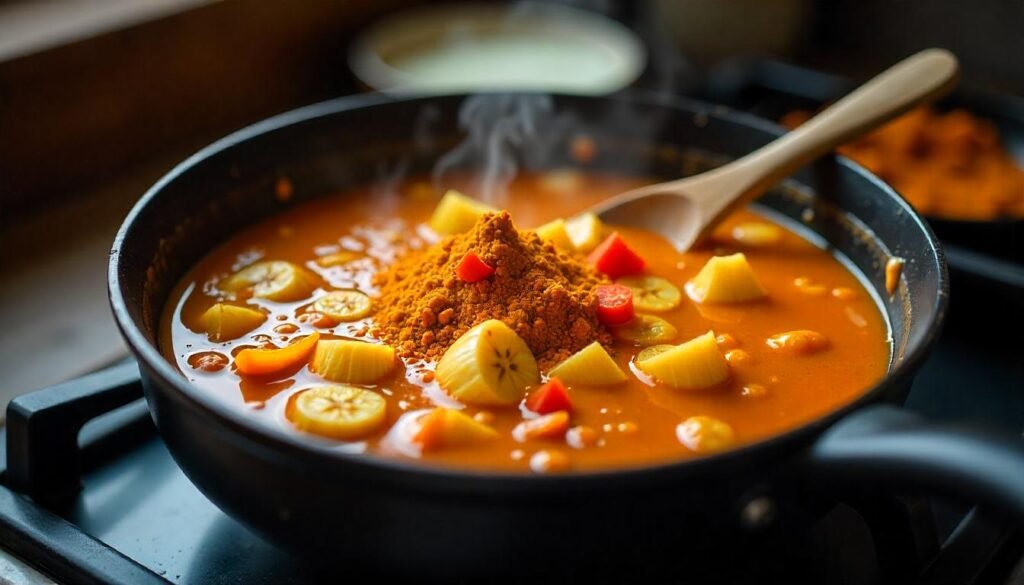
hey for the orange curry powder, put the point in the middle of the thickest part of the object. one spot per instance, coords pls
(545, 295)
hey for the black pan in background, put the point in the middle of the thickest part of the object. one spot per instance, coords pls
(771, 88)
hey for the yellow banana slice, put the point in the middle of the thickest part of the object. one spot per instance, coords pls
(649, 352)
(651, 293)
(344, 305)
(223, 322)
(275, 280)
(352, 362)
(338, 412)
(647, 330)
(489, 364)
(591, 366)
(696, 364)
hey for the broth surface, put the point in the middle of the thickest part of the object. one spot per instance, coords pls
(767, 393)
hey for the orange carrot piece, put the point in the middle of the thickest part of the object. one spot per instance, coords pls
(255, 362)
(549, 426)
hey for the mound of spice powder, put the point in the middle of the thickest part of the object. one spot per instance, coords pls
(545, 295)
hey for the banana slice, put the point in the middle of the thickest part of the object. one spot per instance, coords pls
(338, 412)
(490, 364)
(646, 330)
(590, 366)
(696, 364)
(344, 305)
(223, 322)
(555, 232)
(649, 352)
(456, 213)
(352, 362)
(651, 293)
(274, 280)
(337, 259)
(585, 231)
(725, 279)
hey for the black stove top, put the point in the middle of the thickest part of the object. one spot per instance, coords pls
(138, 519)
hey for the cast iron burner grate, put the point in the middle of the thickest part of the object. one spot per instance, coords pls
(111, 506)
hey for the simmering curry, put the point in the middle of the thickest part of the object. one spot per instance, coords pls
(519, 335)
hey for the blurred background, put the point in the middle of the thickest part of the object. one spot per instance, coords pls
(99, 98)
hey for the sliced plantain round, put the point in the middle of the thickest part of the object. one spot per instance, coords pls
(651, 293)
(338, 412)
(489, 364)
(647, 330)
(649, 352)
(344, 305)
(275, 280)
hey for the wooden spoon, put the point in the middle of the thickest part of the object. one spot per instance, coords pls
(686, 210)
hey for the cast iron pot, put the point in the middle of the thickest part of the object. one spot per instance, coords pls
(399, 517)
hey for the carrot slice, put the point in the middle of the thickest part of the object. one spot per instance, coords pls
(255, 362)
(549, 426)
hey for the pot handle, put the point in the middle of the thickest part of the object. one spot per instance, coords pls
(46, 447)
(896, 448)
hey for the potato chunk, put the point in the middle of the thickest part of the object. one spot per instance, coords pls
(586, 231)
(456, 213)
(589, 366)
(555, 232)
(352, 362)
(693, 365)
(223, 322)
(725, 279)
(444, 427)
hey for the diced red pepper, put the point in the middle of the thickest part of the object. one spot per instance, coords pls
(615, 258)
(472, 269)
(551, 397)
(614, 304)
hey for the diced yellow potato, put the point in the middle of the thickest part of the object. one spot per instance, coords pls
(352, 362)
(705, 434)
(555, 232)
(756, 233)
(445, 427)
(585, 231)
(591, 366)
(223, 322)
(693, 365)
(456, 213)
(725, 279)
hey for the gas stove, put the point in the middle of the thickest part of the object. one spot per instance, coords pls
(118, 510)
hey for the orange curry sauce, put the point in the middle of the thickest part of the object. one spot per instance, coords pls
(768, 392)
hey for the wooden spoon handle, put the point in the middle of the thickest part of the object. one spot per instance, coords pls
(915, 80)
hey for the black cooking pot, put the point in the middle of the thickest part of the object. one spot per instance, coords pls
(356, 511)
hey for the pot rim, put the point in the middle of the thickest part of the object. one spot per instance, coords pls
(400, 471)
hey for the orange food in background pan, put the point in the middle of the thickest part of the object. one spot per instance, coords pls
(949, 165)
